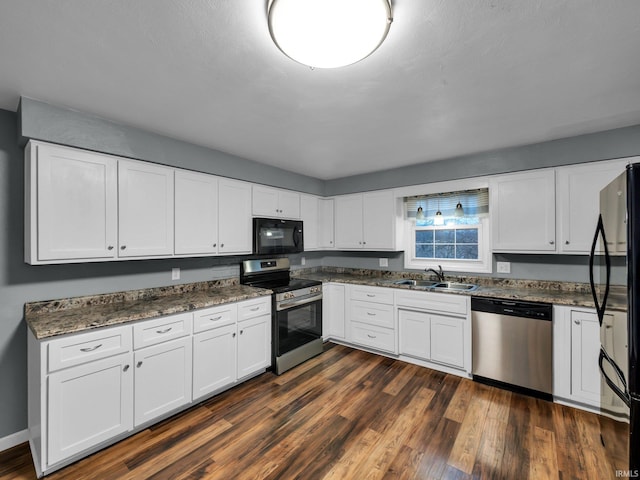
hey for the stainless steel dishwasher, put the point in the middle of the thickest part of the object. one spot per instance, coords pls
(512, 345)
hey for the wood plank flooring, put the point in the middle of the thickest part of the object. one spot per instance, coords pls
(347, 414)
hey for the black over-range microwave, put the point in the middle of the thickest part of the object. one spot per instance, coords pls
(273, 236)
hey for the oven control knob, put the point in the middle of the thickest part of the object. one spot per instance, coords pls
(289, 295)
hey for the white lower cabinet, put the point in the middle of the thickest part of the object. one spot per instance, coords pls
(254, 345)
(162, 379)
(333, 314)
(214, 360)
(576, 349)
(371, 320)
(89, 389)
(89, 404)
(435, 328)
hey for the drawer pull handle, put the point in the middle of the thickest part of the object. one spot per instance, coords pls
(371, 336)
(165, 330)
(255, 309)
(370, 295)
(371, 314)
(213, 319)
(241, 332)
(139, 364)
(577, 322)
(91, 349)
(125, 368)
(233, 335)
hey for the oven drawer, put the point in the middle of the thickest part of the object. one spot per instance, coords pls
(372, 294)
(152, 332)
(372, 313)
(214, 317)
(372, 336)
(254, 308)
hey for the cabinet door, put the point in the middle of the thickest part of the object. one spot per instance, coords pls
(378, 220)
(523, 212)
(585, 350)
(447, 340)
(75, 200)
(254, 345)
(289, 204)
(310, 221)
(162, 379)
(579, 202)
(214, 360)
(325, 221)
(89, 404)
(415, 334)
(234, 221)
(145, 209)
(348, 221)
(196, 213)
(333, 314)
(265, 202)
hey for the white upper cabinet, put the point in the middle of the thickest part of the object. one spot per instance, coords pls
(366, 221)
(309, 213)
(145, 209)
(578, 192)
(196, 213)
(234, 217)
(326, 224)
(523, 212)
(275, 203)
(70, 205)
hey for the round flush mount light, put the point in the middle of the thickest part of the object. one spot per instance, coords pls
(329, 33)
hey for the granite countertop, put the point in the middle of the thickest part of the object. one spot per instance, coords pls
(58, 317)
(557, 293)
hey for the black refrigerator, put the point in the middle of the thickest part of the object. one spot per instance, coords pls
(617, 238)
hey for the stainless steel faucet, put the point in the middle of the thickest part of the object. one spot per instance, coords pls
(439, 274)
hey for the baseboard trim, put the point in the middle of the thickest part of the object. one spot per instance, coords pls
(14, 439)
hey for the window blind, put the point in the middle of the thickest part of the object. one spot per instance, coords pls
(474, 202)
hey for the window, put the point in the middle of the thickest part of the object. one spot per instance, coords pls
(449, 229)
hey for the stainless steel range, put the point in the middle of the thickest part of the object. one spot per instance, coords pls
(296, 311)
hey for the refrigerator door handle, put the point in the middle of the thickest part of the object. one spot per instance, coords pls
(624, 395)
(600, 307)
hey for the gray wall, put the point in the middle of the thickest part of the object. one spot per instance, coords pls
(618, 143)
(41, 121)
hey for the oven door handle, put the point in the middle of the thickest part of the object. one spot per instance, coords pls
(295, 303)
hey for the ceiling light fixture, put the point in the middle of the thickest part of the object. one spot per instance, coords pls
(329, 33)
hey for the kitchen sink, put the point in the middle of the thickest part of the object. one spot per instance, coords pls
(468, 287)
(415, 283)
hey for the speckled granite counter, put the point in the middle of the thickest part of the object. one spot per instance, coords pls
(558, 293)
(69, 315)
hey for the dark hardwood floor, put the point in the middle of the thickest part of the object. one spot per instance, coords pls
(348, 414)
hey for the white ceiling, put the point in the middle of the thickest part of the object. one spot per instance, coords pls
(453, 77)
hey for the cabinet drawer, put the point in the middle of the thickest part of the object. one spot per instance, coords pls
(372, 294)
(439, 302)
(87, 347)
(374, 337)
(254, 308)
(372, 313)
(214, 317)
(152, 332)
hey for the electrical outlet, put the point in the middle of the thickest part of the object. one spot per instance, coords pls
(175, 274)
(303, 261)
(384, 262)
(503, 267)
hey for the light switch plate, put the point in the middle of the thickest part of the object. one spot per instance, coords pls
(384, 262)
(175, 274)
(503, 267)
